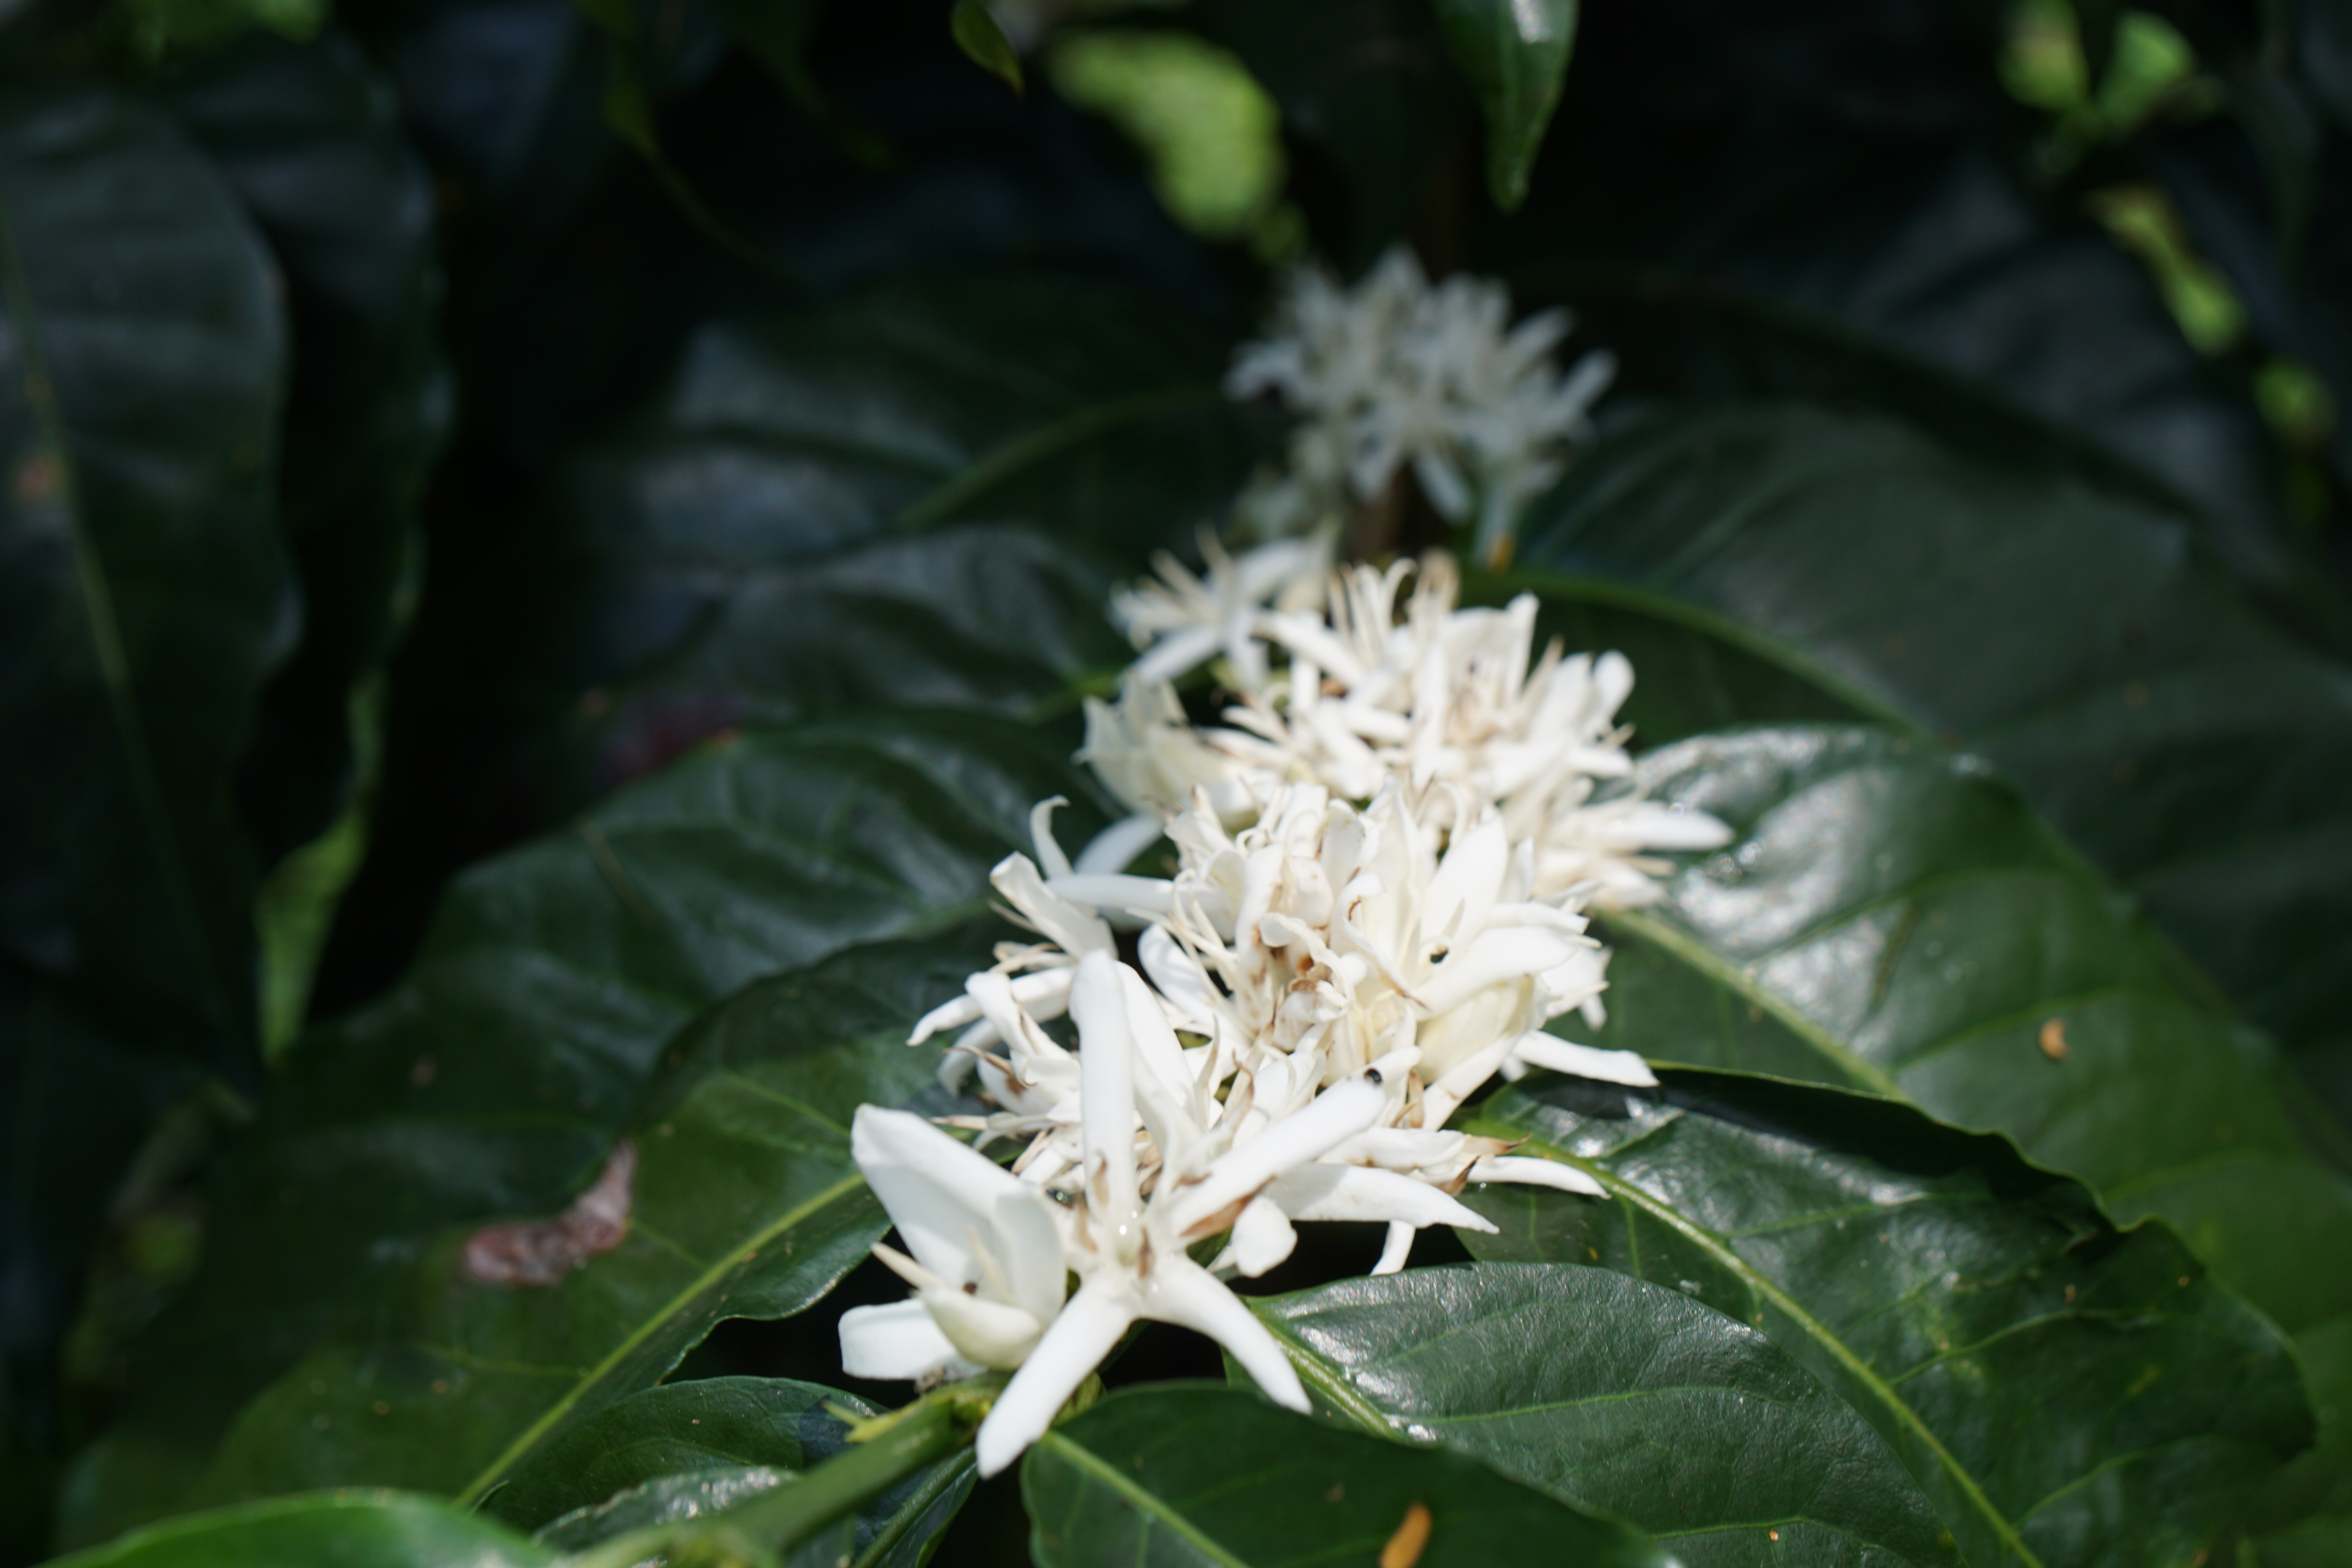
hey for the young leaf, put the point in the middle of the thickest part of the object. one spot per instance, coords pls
(985, 43)
(2061, 1391)
(1515, 53)
(1617, 1394)
(737, 1199)
(560, 970)
(709, 1442)
(349, 1528)
(1188, 1473)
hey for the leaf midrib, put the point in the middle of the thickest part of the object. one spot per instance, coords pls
(473, 1490)
(1694, 954)
(1150, 1503)
(1812, 1327)
(98, 607)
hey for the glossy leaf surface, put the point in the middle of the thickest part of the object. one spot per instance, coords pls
(1890, 919)
(1185, 1474)
(1618, 1394)
(2063, 1393)
(1515, 53)
(919, 495)
(682, 1448)
(349, 1529)
(565, 968)
(744, 1203)
(2069, 635)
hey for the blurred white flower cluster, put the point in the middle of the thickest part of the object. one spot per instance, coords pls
(1381, 862)
(1396, 374)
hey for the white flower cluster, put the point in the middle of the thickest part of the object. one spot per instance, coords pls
(1376, 907)
(1350, 682)
(1396, 374)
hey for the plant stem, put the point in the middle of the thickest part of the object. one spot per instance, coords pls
(924, 1433)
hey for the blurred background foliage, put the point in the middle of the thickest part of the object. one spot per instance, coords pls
(545, 479)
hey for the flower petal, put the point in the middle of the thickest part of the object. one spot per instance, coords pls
(896, 1342)
(989, 1333)
(1108, 852)
(1535, 1173)
(1107, 1091)
(1261, 1238)
(1539, 1050)
(1336, 1114)
(1364, 1193)
(947, 1200)
(1179, 1291)
(1073, 1346)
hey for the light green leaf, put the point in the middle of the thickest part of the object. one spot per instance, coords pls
(1515, 53)
(2064, 1393)
(1618, 1394)
(1188, 1474)
(985, 43)
(348, 1528)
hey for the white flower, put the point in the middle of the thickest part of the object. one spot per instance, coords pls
(1322, 939)
(1129, 1252)
(1152, 758)
(987, 1267)
(1395, 374)
(1182, 621)
(1457, 704)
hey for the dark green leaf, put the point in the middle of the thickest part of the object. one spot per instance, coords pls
(348, 1528)
(1617, 1394)
(492, 1083)
(731, 1435)
(1186, 1474)
(2322, 1543)
(985, 43)
(313, 144)
(1893, 920)
(2063, 1393)
(740, 1200)
(1515, 53)
(1368, 86)
(2070, 636)
(144, 600)
(77, 1102)
(730, 556)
